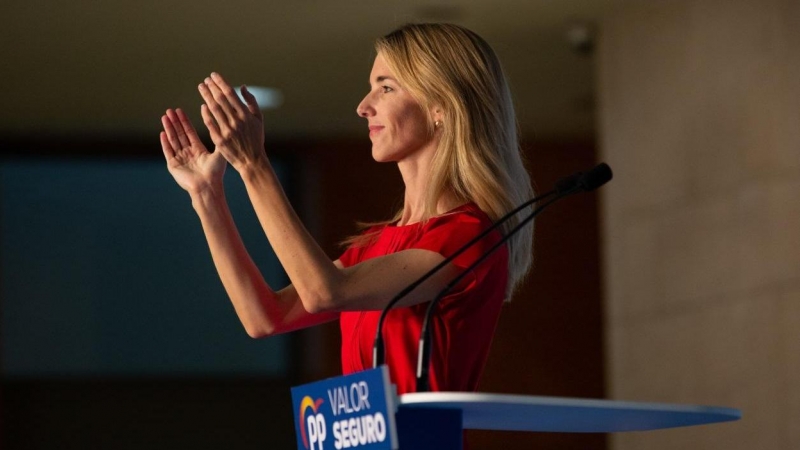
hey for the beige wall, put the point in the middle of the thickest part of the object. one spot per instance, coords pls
(700, 120)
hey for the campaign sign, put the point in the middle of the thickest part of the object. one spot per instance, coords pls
(353, 411)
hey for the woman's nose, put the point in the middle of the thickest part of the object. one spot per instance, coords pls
(364, 109)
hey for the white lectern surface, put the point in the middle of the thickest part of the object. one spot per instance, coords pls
(532, 413)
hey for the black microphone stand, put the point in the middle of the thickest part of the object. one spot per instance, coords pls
(573, 184)
(378, 350)
(424, 352)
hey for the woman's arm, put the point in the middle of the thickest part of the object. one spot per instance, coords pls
(262, 311)
(237, 131)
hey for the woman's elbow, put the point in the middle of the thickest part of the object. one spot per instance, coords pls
(324, 295)
(318, 303)
(256, 334)
(258, 331)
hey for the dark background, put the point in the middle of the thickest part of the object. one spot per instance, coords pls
(176, 369)
(116, 332)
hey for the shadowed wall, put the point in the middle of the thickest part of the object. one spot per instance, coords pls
(548, 341)
(700, 117)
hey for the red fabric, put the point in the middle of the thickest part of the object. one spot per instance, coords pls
(465, 320)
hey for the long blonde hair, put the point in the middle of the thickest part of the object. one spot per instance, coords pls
(478, 157)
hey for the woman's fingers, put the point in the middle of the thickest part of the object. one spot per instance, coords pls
(180, 139)
(188, 128)
(169, 129)
(211, 124)
(214, 108)
(225, 113)
(226, 102)
(178, 127)
(225, 89)
(235, 129)
(252, 104)
(169, 153)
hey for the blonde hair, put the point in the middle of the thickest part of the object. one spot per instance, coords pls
(478, 157)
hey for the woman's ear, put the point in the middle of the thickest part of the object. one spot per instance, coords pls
(437, 115)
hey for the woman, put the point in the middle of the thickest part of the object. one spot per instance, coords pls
(440, 108)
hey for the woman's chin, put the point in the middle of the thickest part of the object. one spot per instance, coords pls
(381, 157)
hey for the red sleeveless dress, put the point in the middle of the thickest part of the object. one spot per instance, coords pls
(465, 320)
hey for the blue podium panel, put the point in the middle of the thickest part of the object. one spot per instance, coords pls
(355, 410)
(568, 415)
(429, 428)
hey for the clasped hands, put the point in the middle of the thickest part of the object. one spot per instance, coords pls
(236, 129)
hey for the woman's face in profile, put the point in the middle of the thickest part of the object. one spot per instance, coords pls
(398, 126)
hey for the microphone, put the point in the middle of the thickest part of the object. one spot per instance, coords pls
(573, 184)
(378, 350)
(566, 186)
(598, 176)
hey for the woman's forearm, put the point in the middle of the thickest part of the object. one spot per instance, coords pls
(238, 133)
(257, 305)
(315, 277)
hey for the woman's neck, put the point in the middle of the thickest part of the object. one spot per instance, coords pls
(416, 177)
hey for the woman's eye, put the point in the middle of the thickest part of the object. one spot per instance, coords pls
(386, 89)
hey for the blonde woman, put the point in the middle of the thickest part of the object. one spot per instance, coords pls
(439, 107)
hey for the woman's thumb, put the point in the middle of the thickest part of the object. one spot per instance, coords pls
(250, 99)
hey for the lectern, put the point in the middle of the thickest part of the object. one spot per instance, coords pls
(361, 411)
(435, 420)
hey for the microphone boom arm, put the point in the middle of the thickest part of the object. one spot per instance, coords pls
(424, 351)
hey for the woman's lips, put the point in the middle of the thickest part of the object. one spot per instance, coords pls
(374, 129)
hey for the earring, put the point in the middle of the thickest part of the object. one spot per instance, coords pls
(436, 124)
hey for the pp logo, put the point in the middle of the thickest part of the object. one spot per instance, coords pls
(313, 429)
